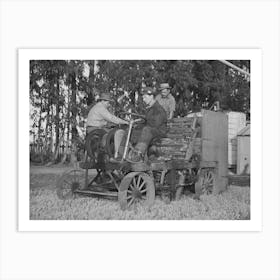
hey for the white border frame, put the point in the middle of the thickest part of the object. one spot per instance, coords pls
(142, 24)
(254, 224)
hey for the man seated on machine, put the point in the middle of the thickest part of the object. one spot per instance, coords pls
(155, 126)
(99, 117)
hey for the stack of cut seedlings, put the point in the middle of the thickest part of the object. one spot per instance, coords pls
(181, 132)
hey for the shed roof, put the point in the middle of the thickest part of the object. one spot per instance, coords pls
(245, 131)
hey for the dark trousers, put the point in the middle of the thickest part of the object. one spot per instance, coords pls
(142, 137)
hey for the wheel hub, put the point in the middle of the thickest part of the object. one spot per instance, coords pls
(136, 193)
(75, 185)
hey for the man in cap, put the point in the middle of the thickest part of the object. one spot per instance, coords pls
(99, 117)
(166, 100)
(155, 125)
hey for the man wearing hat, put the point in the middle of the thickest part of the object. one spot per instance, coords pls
(166, 100)
(99, 116)
(155, 125)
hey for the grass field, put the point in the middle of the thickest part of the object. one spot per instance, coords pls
(233, 204)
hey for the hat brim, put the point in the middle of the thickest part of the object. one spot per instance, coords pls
(146, 93)
(105, 99)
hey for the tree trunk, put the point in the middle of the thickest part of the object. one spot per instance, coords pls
(58, 145)
(57, 122)
(91, 82)
(73, 158)
(67, 127)
(40, 141)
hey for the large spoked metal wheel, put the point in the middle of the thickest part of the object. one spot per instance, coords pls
(136, 187)
(69, 182)
(206, 182)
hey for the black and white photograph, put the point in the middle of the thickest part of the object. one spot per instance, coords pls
(139, 139)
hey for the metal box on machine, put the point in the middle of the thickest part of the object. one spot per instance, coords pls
(236, 122)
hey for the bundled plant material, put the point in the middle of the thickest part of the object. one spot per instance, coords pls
(182, 139)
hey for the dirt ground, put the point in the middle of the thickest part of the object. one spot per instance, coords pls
(54, 169)
(233, 204)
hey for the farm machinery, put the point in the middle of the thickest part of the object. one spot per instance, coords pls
(191, 158)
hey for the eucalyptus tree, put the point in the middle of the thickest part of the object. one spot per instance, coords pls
(63, 91)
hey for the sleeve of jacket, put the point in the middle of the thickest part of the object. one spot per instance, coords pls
(111, 118)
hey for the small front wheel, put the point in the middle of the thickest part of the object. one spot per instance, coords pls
(136, 187)
(69, 182)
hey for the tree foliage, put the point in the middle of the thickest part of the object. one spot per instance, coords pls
(62, 92)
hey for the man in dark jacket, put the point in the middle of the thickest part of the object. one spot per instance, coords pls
(155, 125)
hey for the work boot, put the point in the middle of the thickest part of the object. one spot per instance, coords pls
(138, 153)
(142, 147)
(135, 156)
